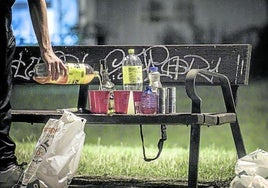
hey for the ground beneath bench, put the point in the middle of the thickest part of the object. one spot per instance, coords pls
(112, 182)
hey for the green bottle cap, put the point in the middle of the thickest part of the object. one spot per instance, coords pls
(131, 51)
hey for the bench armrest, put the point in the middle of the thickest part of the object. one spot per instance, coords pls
(196, 100)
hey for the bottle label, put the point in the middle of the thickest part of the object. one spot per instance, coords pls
(77, 73)
(132, 74)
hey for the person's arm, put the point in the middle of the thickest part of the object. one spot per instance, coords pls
(38, 12)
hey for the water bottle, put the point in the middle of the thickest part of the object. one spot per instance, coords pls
(77, 73)
(148, 101)
(154, 79)
(132, 72)
(155, 83)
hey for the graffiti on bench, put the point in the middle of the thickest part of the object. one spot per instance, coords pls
(173, 61)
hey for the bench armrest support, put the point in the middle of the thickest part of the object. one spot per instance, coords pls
(196, 100)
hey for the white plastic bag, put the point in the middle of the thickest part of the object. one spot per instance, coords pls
(57, 153)
(252, 171)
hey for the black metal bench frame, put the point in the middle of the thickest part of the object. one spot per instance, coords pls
(193, 77)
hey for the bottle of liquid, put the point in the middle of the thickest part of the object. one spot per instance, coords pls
(148, 101)
(77, 73)
(154, 79)
(107, 84)
(132, 72)
(155, 83)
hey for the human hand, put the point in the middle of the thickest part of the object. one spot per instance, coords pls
(55, 66)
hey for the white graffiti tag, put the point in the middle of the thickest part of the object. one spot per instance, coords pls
(172, 62)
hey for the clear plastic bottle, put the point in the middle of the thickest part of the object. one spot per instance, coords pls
(78, 73)
(155, 83)
(154, 79)
(107, 84)
(148, 101)
(132, 72)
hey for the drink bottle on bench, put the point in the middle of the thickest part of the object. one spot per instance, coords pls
(132, 72)
(148, 101)
(77, 73)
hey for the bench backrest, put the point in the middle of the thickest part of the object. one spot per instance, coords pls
(173, 61)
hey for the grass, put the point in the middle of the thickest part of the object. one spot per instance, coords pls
(115, 150)
(173, 163)
(118, 161)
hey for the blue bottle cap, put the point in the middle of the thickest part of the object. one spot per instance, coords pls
(153, 69)
(148, 89)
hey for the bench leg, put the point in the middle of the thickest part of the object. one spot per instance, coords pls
(237, 136)
(194, 156)
(82, 99)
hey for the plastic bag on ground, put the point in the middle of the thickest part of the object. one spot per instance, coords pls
(57, 153)
(252, 171)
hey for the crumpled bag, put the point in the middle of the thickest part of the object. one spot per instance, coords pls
(252, 171)
(57, 153)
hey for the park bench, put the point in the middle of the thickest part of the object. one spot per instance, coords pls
(221, 65)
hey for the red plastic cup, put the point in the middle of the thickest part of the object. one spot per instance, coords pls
(137, 101)
(121, 101)
(98, 101)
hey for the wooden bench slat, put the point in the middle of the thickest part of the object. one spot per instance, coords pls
(219, 118)
(42, 116)
(173, 61)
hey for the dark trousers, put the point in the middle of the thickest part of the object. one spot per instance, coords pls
(7, 48)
